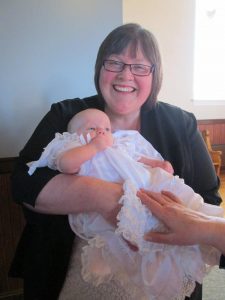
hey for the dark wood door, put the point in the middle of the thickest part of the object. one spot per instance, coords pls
(11, 226)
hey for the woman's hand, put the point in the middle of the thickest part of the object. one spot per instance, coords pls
(185, 226)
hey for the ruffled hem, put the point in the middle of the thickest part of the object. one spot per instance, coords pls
(156, 271)
(100, 265)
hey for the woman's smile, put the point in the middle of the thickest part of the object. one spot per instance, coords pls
(123, 88)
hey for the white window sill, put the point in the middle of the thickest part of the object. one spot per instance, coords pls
(208, 102)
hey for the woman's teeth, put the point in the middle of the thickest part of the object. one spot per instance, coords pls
(123, 89)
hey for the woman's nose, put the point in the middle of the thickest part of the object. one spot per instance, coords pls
(126, 72)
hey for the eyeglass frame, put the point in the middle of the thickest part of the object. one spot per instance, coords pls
(151, 68)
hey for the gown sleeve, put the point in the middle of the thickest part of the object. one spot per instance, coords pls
(60, 144)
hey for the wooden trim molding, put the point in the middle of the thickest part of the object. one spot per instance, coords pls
(211, 121)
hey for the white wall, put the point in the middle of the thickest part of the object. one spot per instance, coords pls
(172, 22)
(47, 53)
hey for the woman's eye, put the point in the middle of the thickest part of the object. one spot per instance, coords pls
(139, 68)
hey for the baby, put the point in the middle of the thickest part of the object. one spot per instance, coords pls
(89, 148)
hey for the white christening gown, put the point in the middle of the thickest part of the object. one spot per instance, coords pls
(155, 271)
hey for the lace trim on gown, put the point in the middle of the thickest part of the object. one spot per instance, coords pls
(76, 288)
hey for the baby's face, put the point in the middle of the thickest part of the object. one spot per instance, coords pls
(93, 130)
(94, 124)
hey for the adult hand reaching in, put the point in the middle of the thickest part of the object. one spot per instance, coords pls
(185, 226)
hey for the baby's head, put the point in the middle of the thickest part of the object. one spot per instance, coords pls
(89, 121)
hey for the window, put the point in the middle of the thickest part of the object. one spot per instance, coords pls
(209, 53)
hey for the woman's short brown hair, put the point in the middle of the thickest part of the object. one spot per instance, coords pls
(131, 35)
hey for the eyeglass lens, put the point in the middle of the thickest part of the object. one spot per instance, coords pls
(136, 69)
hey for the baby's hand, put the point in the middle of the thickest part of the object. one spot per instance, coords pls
(102, 140)
(163, 164)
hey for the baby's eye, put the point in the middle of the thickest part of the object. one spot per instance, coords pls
(91, 129)
(107, 129)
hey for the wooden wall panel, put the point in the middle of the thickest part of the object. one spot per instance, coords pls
(217, 134)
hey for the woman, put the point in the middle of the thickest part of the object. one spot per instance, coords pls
(128, 78)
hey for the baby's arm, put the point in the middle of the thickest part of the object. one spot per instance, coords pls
(164, 164)
(69, 162)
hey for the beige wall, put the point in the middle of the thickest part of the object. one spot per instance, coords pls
(172, 22)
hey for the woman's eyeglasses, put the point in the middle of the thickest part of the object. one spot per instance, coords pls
(136, 69)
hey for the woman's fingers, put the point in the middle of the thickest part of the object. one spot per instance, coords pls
(147, 198)
(152, 203)
(148, 195)
(171, 196)
(163, 197)
(159, 237)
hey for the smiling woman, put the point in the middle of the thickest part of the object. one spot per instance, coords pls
(129, 96)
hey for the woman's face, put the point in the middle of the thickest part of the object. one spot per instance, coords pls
(123, 92)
